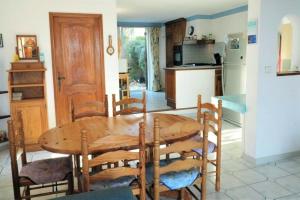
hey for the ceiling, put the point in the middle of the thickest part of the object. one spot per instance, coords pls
(158, 11)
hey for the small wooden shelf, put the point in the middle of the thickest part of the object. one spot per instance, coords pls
(124, 85)
(27, 70)
(28, 78)
(28, 100)
(27, 85)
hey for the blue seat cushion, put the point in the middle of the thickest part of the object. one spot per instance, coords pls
(124, 193)
(211, 146)
(173, 180)
(119, 182)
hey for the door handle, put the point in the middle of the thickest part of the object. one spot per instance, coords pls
(60, 79)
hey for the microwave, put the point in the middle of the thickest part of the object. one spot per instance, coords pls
(177, 55)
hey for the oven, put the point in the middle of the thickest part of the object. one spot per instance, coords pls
(177, 55)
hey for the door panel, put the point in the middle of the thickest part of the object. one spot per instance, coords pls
(78, 63)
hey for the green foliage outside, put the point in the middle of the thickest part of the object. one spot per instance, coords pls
(135, 54)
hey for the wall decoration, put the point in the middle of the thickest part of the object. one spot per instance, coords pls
(110, 49)
(1, 41)
(252, 31)
(27, 47)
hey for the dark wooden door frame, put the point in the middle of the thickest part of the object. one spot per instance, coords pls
(101, 56)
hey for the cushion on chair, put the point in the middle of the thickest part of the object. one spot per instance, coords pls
(124, 193)
(173, 180)
(48, 170)
(211, 146)
(119, 182)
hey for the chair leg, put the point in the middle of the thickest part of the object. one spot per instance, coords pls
(27, 192)
(70, 184)
(218, 173)
(78, 172)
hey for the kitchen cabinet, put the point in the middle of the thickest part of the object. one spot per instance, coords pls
(175, 33)
(183, 84)
(171, 88)
(218, 83)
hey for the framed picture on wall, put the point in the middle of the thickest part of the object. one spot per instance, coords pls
(1, 41)
(252, 31)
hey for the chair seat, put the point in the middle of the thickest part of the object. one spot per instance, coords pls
(211, 146)
(48, 170)
(124, 193)
(173, 180)
(119, 182)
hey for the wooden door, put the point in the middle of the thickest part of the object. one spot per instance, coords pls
(78, 61)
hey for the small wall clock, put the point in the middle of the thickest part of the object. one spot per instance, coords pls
(191, 30)
(110, 49)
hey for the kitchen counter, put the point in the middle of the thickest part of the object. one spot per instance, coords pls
(184, 84)
(183, 67)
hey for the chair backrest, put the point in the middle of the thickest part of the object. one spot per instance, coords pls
(179, 147)
(112, 157)
(89, 109)
(126, 107)
(16, 146)
(214, 115)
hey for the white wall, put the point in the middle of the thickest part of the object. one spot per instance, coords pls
(272, 123)
(202, 27)
(32, 17)
(236, 23)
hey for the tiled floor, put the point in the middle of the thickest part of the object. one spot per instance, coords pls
(240, 179)
(155, 100)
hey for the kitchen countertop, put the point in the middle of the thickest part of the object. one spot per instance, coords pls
(205, 67)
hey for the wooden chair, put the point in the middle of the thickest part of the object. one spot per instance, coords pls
(215, 127)
(118, 176)
(178, 174)
(89, 109)
(126, 107)
(39, 174)
(85, 110)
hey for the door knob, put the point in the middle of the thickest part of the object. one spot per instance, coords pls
(60, 79)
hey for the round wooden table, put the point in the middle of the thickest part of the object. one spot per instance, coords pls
(113, 133)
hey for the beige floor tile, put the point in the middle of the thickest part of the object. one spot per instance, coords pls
(291, 183)
(244, 193)
(6, 193)
(291, 197)
(271, 190)
(249, 176)
(228, 181)
(290, 166)
(5, 180)
(271, 171)
(233, 165)
(217, 196)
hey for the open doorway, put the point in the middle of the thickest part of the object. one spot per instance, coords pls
(139, 64)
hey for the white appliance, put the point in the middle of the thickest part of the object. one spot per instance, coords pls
(123, 65)
(234, 70)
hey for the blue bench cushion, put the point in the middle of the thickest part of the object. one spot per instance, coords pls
(124, 193)
(119, 182)
(173, 180)
(211, 146)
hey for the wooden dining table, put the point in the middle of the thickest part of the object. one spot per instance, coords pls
(115, 133)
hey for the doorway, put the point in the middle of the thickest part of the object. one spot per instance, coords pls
(78, 63)
(136, 60)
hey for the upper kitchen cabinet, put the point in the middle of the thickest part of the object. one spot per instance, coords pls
(175, 33)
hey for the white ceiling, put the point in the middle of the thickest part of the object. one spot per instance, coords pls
(152, 11)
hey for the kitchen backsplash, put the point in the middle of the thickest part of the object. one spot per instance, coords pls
(193, 53)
